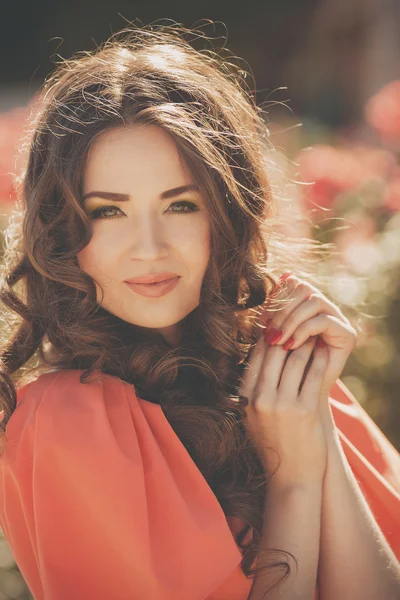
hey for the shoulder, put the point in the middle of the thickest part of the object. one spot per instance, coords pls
(59, 408)
(64, 386)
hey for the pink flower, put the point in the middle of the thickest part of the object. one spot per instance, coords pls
(321, 167)
(392, 193)
(12, 124)
(382, 111)
(332, 171)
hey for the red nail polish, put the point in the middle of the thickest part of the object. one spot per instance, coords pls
(288, 344)
(285, 275)
(275, 337)
(270, 334)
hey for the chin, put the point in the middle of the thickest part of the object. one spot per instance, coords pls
(153, 323)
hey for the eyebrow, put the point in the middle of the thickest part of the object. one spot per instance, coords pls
(116, 197)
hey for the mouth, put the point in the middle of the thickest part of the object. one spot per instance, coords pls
(154, 290)
(157, 282)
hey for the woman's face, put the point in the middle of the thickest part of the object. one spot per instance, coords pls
(146, 233)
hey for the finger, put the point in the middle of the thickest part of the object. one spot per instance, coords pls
(308, 308)
(313, 383)
(263, 369)
(282, 296)
(283, 305)
(270, 374)
(291, 295)
(293, 372)
(332, 330)
(284, 293)
(250, 372)
(304, 301)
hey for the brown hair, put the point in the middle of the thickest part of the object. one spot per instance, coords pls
(152, 75)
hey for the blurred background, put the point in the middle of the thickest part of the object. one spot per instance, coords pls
(328, 74)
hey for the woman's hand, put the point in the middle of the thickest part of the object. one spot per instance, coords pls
(310, 313)
(283, 420)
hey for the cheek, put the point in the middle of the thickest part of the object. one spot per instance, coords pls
(101, 254)
(194, 241)
(84, 259)
(93, 260)
(205, 242)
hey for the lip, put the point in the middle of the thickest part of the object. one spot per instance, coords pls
(154, 290)
(153, 277)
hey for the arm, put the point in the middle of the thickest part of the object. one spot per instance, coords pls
(356, 561)
(292, 523)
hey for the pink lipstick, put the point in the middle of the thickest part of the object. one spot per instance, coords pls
(154, 290)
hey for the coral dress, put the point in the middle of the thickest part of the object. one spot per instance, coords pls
(99, 499)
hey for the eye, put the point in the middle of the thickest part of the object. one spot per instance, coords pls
(99, 212)
(189, 205)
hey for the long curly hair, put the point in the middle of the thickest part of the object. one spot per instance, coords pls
(152, 75)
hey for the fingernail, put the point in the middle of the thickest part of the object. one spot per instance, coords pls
(274, 336)
(285, 275)
(289, 343)
(270, 334)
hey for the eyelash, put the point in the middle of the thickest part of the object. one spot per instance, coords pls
(99, 211)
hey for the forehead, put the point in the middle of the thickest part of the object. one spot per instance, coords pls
(132, 154)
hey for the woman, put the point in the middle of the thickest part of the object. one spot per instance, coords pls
(168, 451)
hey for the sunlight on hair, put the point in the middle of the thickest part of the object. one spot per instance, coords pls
(125, 55)
(160, 61)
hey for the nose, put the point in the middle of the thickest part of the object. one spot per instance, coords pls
(148, 239)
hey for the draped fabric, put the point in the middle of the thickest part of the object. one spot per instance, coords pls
(100, 499)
